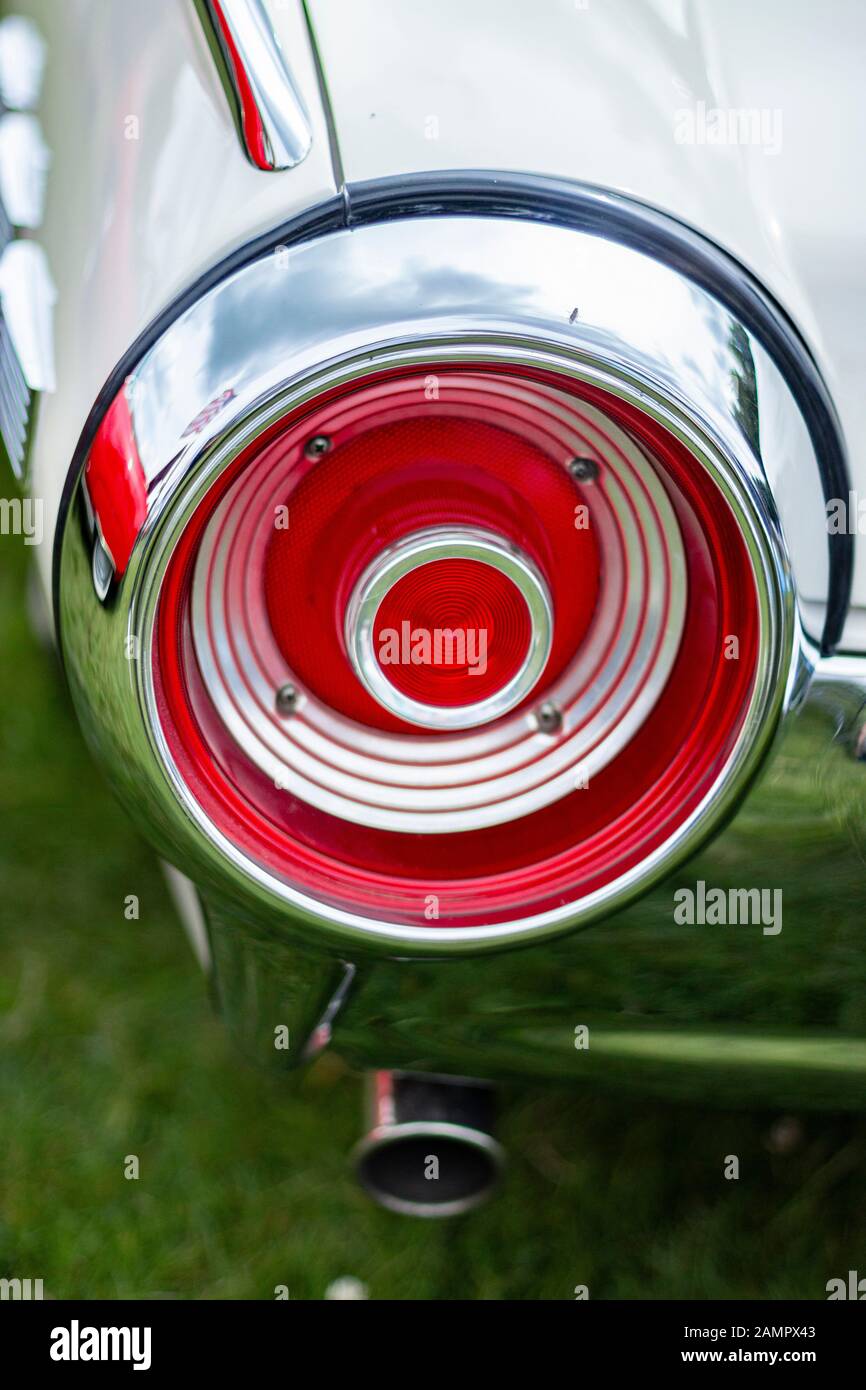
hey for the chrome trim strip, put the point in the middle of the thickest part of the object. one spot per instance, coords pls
(272, 124)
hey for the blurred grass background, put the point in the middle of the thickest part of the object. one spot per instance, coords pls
(108, 1047)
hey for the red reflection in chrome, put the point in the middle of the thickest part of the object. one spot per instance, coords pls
(116, 484)
(251, 121)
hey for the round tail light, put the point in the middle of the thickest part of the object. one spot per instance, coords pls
(449, 656)
(433, 616)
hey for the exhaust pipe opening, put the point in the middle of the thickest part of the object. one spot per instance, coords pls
(429, 1149)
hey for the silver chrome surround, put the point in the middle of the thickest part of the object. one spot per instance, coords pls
(422, 548)
(281, 121)
(432, 290)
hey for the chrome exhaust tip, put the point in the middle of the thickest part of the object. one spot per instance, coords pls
(429, 1149)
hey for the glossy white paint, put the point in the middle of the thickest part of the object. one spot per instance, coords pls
(148, 188)
(619, 93)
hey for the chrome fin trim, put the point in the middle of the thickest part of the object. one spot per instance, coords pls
(272, 124)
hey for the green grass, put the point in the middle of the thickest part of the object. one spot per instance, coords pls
(108, 1048)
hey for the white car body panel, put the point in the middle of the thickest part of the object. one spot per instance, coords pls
(598, 92)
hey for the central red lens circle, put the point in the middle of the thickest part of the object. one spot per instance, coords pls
(452, 632)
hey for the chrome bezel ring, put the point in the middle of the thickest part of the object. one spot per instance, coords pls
(423, 548)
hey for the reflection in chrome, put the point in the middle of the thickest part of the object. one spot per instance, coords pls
(271, 119)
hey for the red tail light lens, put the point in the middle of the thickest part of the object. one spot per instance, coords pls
(515, 629)
(452, 632)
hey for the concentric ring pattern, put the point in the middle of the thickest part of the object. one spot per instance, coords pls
(414, 781)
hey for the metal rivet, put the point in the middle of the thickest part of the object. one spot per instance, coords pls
(583, 470)
(549, 717)
(286, 699)
(318, 445)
